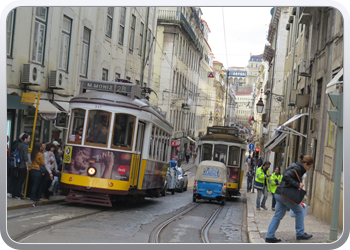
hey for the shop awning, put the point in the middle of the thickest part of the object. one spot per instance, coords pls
(296, 117)
(191, 139)
(272, 139)
(280, 138)
(63, 105)
(47, 110)
(332, 85)
(14, 102)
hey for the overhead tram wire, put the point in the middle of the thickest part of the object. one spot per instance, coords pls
(223, 18)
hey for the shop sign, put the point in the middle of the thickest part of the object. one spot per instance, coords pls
(28, 98)
(175, 143)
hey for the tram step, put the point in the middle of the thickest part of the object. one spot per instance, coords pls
(89, 198)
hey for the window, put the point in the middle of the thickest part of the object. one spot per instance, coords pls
(141, 37)
(110, 12)
(98, 128)
(65, 43)
(104, 74)
(85, 52)
(10, 27)
(77, 126)
(132, 33)
(319, 92)
(180, 47)
(207, 152)
(122, 25)
(220, 153)
(39, 34)
(117, 76)
(123, 131)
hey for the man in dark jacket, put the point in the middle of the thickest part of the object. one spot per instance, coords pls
(21, 171)
(11, 170)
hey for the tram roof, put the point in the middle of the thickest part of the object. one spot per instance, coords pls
(112, 99)
(221, 137)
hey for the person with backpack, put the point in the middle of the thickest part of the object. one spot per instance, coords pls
(22, 169)
(259, 162)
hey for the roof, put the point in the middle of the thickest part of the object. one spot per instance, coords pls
(206, 24)
(207, 43)
(257, 55)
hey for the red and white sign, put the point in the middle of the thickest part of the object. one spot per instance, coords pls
(122, 170)
(217, 110)
(175, 143)
(211, 75)
(177, 148)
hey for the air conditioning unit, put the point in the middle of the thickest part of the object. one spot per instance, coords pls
(31, 74)
(304, 68)
(57, 79)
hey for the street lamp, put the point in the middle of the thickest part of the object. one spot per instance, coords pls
(260, 106)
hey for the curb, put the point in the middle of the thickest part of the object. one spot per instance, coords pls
(39, 203)
(253, 232)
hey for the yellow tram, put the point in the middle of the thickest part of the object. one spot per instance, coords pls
(117, 145)
(225, 145)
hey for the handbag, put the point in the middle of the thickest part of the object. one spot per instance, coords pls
(44, 171)
(293, 194)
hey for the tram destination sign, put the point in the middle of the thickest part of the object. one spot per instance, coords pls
(128, 89)
(229, 131)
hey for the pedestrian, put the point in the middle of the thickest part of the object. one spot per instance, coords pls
(250, 176)
(51, 167)
(15, 143)
(55, 152)
(274, 181)
(37, 179)
(261, 184)
(259, 162)
(290, 181)
(23, 168)
(187, 155)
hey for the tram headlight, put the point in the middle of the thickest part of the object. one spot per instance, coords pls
(91, 171)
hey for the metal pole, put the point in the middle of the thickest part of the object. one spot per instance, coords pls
(225, 118)
(337, 181)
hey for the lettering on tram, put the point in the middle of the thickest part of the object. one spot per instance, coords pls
(112, 150)
(223, 144)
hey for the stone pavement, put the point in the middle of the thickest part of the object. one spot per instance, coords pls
(258, 222)
(25, 203)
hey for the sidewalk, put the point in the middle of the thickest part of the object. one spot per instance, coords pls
(18, 204)
(259, 221)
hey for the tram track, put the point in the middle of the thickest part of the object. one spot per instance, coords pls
(204, 233)
(32, 231)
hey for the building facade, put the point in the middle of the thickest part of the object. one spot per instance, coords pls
(50, 49)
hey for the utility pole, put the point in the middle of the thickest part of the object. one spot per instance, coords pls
(337, 118)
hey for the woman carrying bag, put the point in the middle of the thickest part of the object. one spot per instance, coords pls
(51, 166)
(288, 195)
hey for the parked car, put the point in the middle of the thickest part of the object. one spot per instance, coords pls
(182, 183)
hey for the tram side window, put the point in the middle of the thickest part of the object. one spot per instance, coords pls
(151, 143)
(123, 130)
(98, 127)
(207, 152)
(77, 125)
(220, 153)
(233, 157)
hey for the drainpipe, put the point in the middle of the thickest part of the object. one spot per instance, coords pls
(291, 84)
(144, 49)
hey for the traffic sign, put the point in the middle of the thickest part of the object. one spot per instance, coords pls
(210, 74)
(251, 146)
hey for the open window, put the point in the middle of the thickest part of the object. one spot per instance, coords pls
(123, 131)
(233, 158)
(220, 153)
(76, 126)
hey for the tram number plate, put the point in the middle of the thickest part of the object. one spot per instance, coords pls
(121, 89)
(67, 154)
(209, 192)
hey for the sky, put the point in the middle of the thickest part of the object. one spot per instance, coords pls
(245, 29)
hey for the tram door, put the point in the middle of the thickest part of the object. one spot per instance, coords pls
(137, 156)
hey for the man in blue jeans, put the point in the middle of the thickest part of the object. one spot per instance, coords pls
(261, 184)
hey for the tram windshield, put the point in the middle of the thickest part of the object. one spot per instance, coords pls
(207, 152)
(123, 130)
(220, 153)
(77, 126)
(98, 127)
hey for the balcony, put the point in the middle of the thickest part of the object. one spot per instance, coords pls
(172, 16)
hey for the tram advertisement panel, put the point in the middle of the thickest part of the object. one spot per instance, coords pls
(98, 163)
